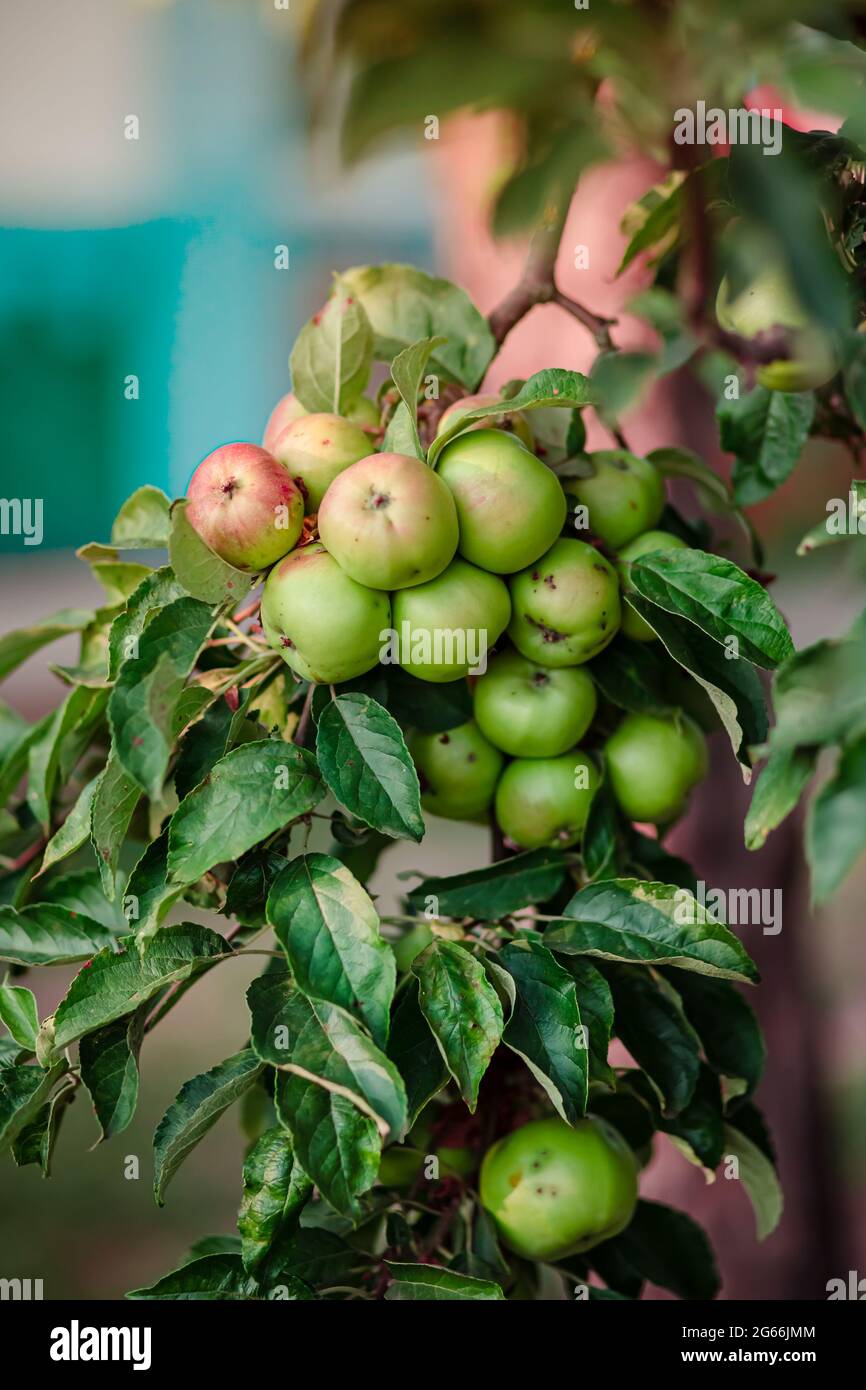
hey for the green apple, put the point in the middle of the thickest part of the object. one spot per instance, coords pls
(554, 1190)
(244, 505)
(545, 801)
(510, 506)
(516, 422)
(443, 628)
(411, 944)
(458, 771)
(389, 521)
(326, 627)
(532, 711)
(653, 762)
(364, 412)
(770, 301)
(625, 495)
(565, 607)
(316, 449)
(632, 624)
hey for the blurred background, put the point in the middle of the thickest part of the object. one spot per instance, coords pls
(154, 258)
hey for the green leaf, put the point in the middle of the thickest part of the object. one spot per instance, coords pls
(407, 372)
(317, 1256)
(148, 895)
(114, 801)
(251, 792)
(337, 1094)
(819, 694)
(595, 1004)
(415, 1053)
(16, 647)
(142, 708)
(75, 830)
(734, 687)
(669, 1249)
(119, 578)
(209, 739)
(60, 746)
(632, 921)
(710, 488)
(759, 1178)
(405, 305)
(23, 1092)
(412, 1283)
(434, 709)
(333, 353)
(45, 934)
(545, 1026)
(113, 985)
(727, 1027)
(35, 1141)
(629, 674)
(329, 929)
(496, 889)
(767, 431)
(109, 1070)
(275, 1191)
(206, 1279)
(619, 381)
(19, 1013)
(552, 387)
(698, 1130)
(143, 521)
(463, 1011)
(196, 1108)
(249, 885)
(717, 597)
(778, 789)
(202, 573)
(365, 761)
(651, 1025)
(836, 825)
(834, 528)
(80, 890)
(156, 591)
(601, 835)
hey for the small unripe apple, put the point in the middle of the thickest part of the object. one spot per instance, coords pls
(770, 301)
(458, 771)
(532, 711)
(653, 762)
(632, 624)
(516, 422)
(244, 505)
(625, 495)
(545, 801)
(510, 505)
(555, 1189)
(389, 521)
(316, 449)
(411, 944)
(565, 607)
(326, 626)
(444, 627)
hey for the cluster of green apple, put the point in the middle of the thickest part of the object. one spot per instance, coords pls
(434, 567)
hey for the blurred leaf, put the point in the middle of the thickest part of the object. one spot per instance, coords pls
(669, 1249)
(758, 1176)
(619, 380)
(834, 528)
(819, 694)
(16, 647)
(651, 1025)
(778, 789)
(726, 1025)
(836, 825)
(143, 521)
(767, 431)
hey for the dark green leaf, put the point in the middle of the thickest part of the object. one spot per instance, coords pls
(365, 761)
(545, 1026)
(329, 929)
(758, 1176)
(766, 430)
(669, 1249)
(206, 1279)
(198, 1105)
(275, 1190)
(109, 1070)
(655, 1031)
(413, 1050)
(777, 791)
(462, 1009)
(726, 1025)
(595, 1004)
(413, 1283)
(496, 889)
(45, 934)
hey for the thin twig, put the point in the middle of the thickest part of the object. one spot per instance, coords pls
(306, 711)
